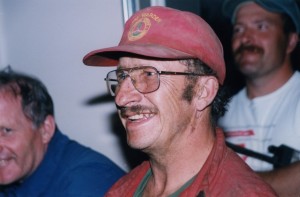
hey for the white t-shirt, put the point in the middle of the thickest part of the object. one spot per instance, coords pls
(273, 119)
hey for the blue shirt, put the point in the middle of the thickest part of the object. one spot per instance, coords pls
(68, 170)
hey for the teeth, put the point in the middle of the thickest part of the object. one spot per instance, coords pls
(140, 116)
(136, 117)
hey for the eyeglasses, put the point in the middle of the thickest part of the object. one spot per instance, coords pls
(145, 79)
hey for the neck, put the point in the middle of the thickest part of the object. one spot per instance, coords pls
(267, 84)
(180, 162)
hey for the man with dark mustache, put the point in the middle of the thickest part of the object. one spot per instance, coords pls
(168, 93)
(267, 111)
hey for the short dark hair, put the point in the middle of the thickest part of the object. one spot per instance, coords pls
(219, 104)
(36, 102)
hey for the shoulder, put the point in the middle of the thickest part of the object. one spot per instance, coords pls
(241, 179)
(240, 96)
(78, 156)
(234, 109)
(83, 171)
(71, 152)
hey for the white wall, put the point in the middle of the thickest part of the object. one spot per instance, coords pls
(48, 38)
(2, 44)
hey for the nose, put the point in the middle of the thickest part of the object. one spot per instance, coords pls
(127, 93)
(244, 38)
(247, 36)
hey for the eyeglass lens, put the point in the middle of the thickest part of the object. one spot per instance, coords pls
(144, 79)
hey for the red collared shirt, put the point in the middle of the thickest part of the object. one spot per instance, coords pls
(223, 174)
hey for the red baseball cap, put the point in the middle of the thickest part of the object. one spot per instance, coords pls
(164, 33)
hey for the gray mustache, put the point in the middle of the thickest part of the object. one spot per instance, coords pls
(137, 109)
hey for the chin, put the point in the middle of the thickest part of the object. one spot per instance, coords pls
(137, 144)
(7, 180)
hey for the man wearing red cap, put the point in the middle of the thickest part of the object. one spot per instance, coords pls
(168, 94)
(266, 113)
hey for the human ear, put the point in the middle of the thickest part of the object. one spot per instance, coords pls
(48, 129)
(293, 41)
(206, 93)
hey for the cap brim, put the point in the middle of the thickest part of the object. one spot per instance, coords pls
(110, 56)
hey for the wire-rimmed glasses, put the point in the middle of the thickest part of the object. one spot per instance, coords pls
(145, 79)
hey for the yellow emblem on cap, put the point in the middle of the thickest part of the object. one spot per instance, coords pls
(139, 28)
